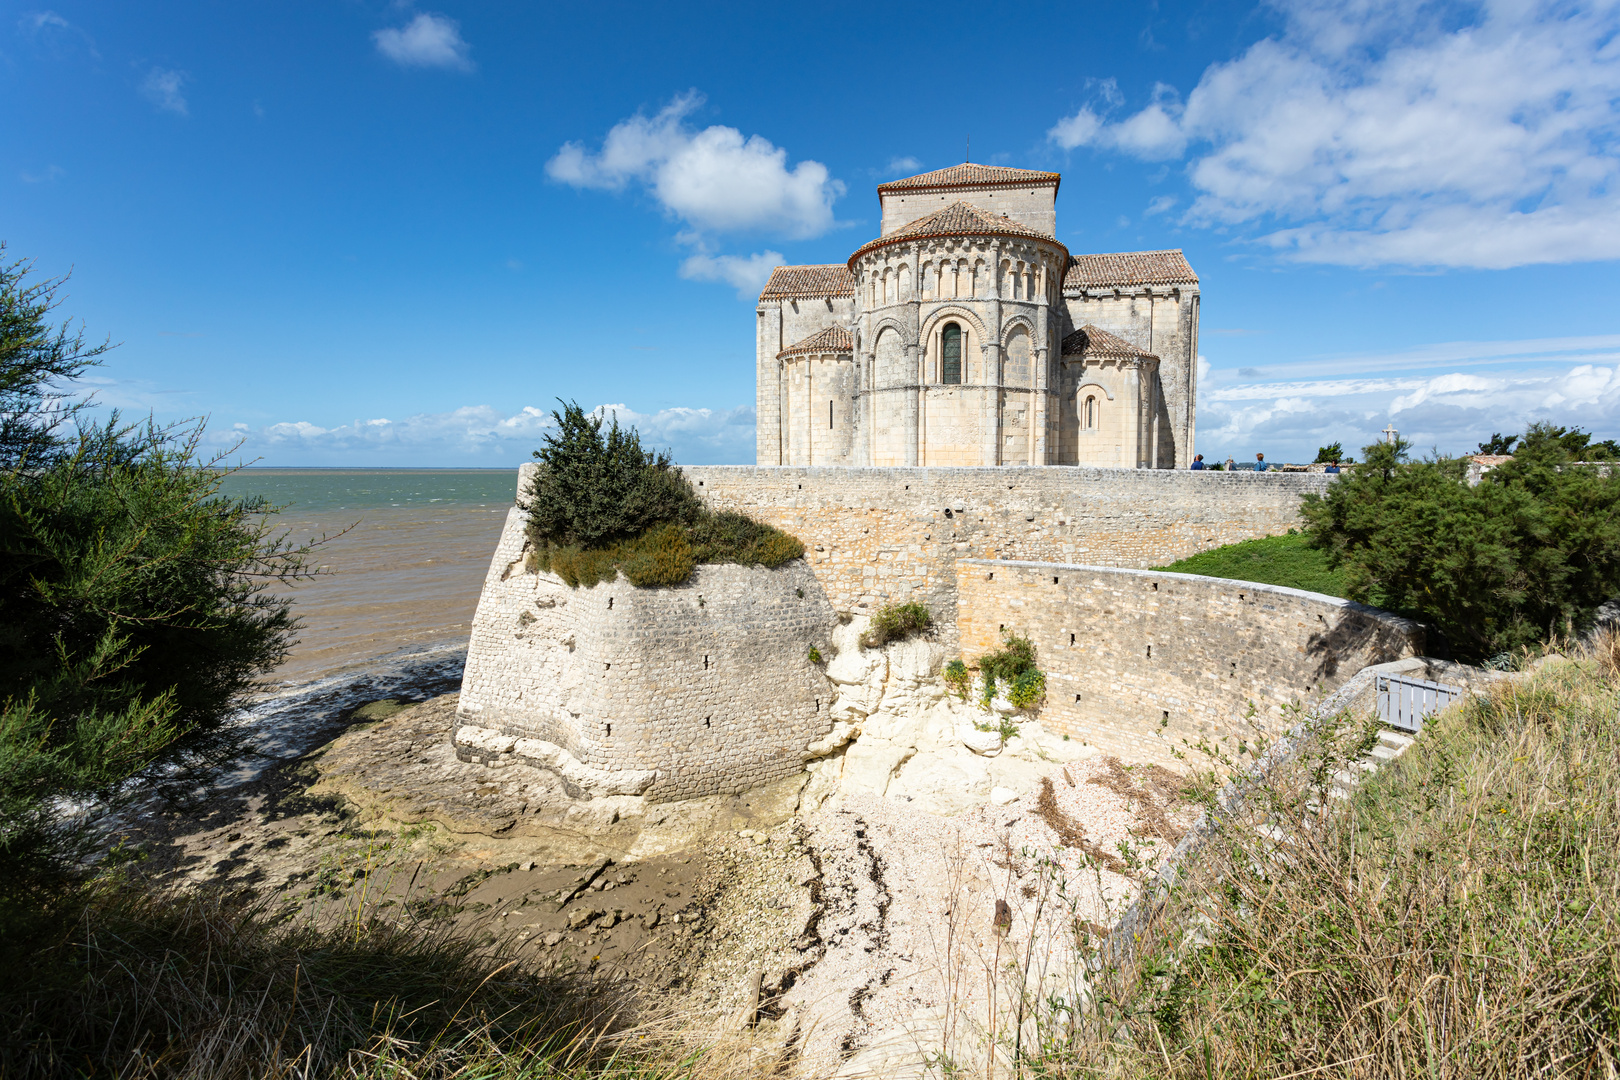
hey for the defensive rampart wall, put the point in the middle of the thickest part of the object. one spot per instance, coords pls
(879, 536)
(1138, 661)
(699, 689)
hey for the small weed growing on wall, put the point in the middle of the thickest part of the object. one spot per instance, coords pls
(815, 655)
(1013, 666)
(958, 678)
(896, 622)
(1005, 728)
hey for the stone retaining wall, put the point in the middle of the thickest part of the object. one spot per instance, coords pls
(878, 536)
(704, 688)
(1137, 661)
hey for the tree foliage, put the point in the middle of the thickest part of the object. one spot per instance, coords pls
(1329, 453)
(1529, 552)
(36, 360)
(135, 608)
(601, 505)
(596, 488)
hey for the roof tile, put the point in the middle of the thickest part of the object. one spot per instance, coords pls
(1129, 268)
(834, 339)
(809, 282)
(970, 175)
(957, 219)
(1089, 341)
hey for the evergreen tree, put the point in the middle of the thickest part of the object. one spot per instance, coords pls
(1528, 553)
(135, 602)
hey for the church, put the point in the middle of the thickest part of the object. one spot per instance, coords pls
(966, 334)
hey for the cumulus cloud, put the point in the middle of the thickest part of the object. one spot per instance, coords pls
(164, 87)
(715, 180)
(1564, 381)
(1379, 133)
(902, 166)
(431, 41)
(483, 435)
(746, 273)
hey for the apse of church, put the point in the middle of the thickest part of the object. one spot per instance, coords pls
(967, 334)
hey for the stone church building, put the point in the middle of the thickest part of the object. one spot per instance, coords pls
(967, 334)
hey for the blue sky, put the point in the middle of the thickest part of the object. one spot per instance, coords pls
(357, 233)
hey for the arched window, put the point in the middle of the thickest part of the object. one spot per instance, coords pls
(950, 367)
(1089, 416)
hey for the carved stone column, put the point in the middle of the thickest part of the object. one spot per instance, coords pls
(912, 412)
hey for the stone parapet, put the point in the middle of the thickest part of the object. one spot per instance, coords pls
(708, 685)
(1139, 661)
(875, 536)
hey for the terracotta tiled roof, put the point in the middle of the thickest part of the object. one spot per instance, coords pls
(1129, 268)
(834, 339)
(809, 282)
(970, 175)
(957, 219)
(1089, 341)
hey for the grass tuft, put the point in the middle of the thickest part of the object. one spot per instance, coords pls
(896, 622)
(1455, 917)
(1287, 560)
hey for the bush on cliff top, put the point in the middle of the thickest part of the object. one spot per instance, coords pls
(601, 505)
(1528, 553)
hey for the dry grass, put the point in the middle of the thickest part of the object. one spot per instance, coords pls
(124, 983)
(1458, 917)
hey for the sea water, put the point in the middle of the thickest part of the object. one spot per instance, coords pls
(400, 556)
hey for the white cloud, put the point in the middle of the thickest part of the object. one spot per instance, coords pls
(1372, 134)
(901, 166)
(1452, 410)
(428, 40)
(164, 88)
(716, 180)
(746, 273)
(482, 435)
(43, 20)
(1159, 205)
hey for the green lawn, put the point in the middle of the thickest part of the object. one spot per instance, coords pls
(1271, 560)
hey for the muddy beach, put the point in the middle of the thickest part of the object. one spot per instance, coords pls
(856, 931)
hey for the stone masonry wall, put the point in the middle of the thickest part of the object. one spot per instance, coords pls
(875, 536)
(1136, 661)
(698, 689)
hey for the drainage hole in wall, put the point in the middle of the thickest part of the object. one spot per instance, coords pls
(706, 721)
(610, 731)
(1077, 699)
(610, 603)
(1150, 652)
(1155, 586)
(1071, 639)
(608, 666)
(991, 576)
(1003, 626)
(1054, 581)
(705, 663)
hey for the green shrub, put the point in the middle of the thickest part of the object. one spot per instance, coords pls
(601, 506)
(136, 603)
(958, 678)
(815, 655)
(593, 490)
(1527, 553)
(896, 622)
(1013, 666)
(1028, 689)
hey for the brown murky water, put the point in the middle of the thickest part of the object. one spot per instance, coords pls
(406, 574)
